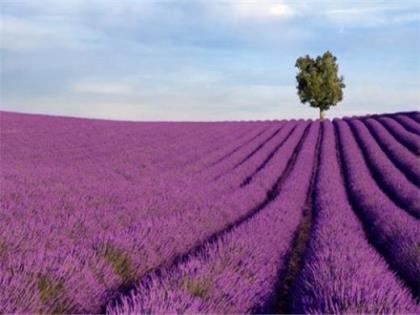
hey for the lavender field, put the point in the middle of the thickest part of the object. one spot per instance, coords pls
(288, 216)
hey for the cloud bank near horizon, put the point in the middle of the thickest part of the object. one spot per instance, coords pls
(202, 60)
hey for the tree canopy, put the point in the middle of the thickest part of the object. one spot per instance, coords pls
(318, 82)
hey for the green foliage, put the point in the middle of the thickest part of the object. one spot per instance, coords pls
(118, 259)
(318, 81)
(48, 289)
(3, 248)
(51, 293)
(198, 287)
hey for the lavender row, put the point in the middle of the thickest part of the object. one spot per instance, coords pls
(222, 189)
(89, 207)
(277, 154)
(191, 148)
(81, 134)
(123, 175)
(91, 142)
(217, 147)
(407, 138)
(229, 151)
(414, 115)
(400, 156)
(394, 232)
(408, 123)
(147, 245)
(229, 164)
(242, 202)
(388, 177)
(238, 272)
(189, 167)
(283, 143)
(262, 157)
(342, 272)
(60, 219)
(199, 224)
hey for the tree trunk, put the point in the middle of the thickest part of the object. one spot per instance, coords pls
(321, 114)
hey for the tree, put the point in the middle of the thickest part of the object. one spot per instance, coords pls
(318, 82)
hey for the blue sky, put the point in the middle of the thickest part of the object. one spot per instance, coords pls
(203, 60)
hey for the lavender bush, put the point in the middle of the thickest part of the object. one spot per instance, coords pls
(389, 177)
(407, 138)
(397, 153)
(394, 231)
(205, 217)
(343, 273)
(408, 123)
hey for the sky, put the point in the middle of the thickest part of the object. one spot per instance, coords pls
(203, 60)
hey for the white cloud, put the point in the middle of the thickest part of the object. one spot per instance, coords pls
(23, 35)
(18, 34)
(256, 9)
(102, 88)
(280, 9)
(368, 14)
(343, 13)
(77, 7)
